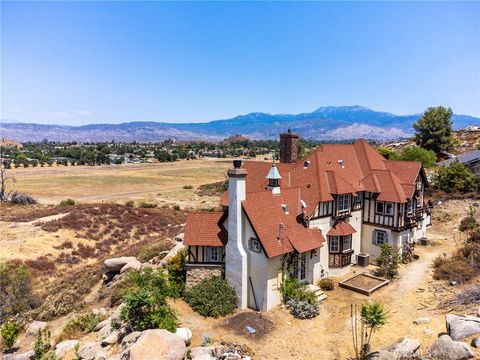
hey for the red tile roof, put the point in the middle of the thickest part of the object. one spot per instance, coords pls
(278, 231)
(205, 229)
(341, 228)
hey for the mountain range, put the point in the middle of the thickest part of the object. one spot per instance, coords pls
(325, 123)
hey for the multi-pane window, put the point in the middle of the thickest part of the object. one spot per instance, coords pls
(379, 237)
(347, 243)
(384, 208)
(334, 244)
(213, 253)
(343, 202)
(254, 245)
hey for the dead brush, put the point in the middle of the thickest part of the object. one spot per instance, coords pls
(41, 264)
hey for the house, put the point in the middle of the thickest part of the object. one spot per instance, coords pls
(470, 159)
(317, 214)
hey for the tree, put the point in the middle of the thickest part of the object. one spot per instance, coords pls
(388, 153)
(416, 153)
(3, 183)
(9, 331)
(434, 129)
(456, 177)
(388, 261)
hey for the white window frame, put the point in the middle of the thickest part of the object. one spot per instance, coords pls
(213, 253)
(349, 239)
(376, 234)
(389, 206)
(254, 245)
(376, 207)
(343, 203)
(337, 241)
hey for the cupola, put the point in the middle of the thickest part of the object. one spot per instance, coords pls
(273, 179)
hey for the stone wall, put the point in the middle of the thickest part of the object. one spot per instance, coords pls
(196, 273)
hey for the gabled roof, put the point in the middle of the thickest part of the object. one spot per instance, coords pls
(278, 230)
(205, 229)
(341, 228)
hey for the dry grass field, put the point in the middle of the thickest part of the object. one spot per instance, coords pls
(159, 182)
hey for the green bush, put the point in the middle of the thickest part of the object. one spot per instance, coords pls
(146, 301)
(9, 331)
(146, 205)
(42, 345)
(388, 261)
(303, 303)
(326, 284)
(456, 178)
(16, 293)
(212, 297)
(67, 202)
(416, 153)
(177, 273)
(388, 153)
(79, 324)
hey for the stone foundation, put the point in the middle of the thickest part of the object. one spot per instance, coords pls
(198, 272)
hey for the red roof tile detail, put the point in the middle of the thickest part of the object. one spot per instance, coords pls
(205, 229)
(278, 231)
(341, 228)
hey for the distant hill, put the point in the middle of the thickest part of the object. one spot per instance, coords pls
(325, 123)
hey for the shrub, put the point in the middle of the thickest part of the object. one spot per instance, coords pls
(16, 294)
(41, 264)
(67, 202)
(326, 284)
(130, 204)
(388, 153)
(148, 252)
(42, 344)
(187, 187)
(146, 304)
(456, 177)
(456, 269)
(176, 207)
(145, 205)
(177, 273)
(416, 153)
(212, 297)
(468, 224)
(302, 309)
(9, 331)
(388, 261)
(78, 325)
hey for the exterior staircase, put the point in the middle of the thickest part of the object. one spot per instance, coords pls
(320, 294)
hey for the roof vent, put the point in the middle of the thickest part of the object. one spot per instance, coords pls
(285, 209)
(306, 164)
(341, 163)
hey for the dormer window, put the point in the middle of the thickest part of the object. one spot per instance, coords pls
(343, 202)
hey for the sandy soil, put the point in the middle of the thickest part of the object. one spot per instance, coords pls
(328, 336)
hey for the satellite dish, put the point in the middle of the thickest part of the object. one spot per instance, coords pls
(303, 203)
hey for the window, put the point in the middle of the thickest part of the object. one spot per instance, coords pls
(347, 243)
(334, 244)
(254, 245)
(419, 185)
(359, 198)
(384, 208)
(379, 237)
(213, 254)
(410, 206)
(343, 202)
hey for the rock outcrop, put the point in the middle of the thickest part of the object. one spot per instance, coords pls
(65, 347)
(153, 344)
(444, 348)
(92, 351)
(116, 264)
(35, 327)
(460, 327)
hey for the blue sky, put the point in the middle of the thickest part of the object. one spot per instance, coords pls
(110, 62)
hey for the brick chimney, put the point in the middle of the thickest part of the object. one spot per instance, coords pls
(235, 254)
(288, 147)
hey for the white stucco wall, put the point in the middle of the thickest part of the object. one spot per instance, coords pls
(367, 235)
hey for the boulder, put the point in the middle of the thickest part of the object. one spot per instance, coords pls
(35, 327)
(100, 312)
(111, 339)
(23, 356)
(132, 265)
(115, 318)
(476, 342)
(185, 334)
(92, 351)
(155, 344)
(64, 347)
(404, 348)
(130, 339)
(444, 348)
(202, 353)
(105, 331)
(422, 320)
(101, 325)
(116, 264)
(460, 327)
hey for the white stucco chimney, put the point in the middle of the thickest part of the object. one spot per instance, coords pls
(235, 254)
